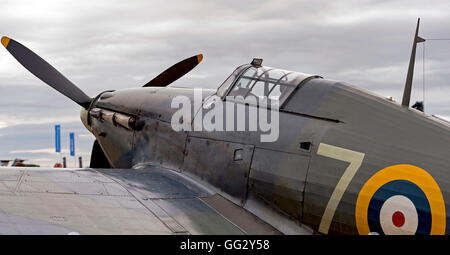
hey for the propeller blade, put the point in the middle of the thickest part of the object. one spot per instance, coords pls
(174, 72)
(45, 72)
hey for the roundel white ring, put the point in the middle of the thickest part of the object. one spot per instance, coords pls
(403, 206)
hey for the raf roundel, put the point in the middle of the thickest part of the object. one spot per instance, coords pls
(400, 200)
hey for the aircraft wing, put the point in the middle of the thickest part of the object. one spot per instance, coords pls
(149, 200)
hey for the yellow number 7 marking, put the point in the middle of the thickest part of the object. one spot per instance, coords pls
(355, 159)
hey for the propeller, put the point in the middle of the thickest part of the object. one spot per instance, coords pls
(45, 72)
(48, 74)
(174, 72)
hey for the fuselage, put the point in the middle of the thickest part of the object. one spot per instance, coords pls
(344, 162)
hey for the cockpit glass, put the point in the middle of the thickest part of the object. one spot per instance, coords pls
(276, 74)
(275, 93)
(251, 72)
(229, 81)
(270, 86)
(259, 89)
(243, 83)
(267, 84)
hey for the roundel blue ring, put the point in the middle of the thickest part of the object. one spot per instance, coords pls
(404, 188)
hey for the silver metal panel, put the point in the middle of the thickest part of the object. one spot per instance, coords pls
(275, 218)
(69, 182)
(280, 179)
(154, 182)
(119, 100)
(150, 183)
(84, 214)
(240, 217)
(225, 173)
(121, 139)
(290, 129)
(12, 225)
(158, 144)
(148, 102)
(197, 217)
(9, 175)
(150, 200)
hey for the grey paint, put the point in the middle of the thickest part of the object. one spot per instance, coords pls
(165, 174)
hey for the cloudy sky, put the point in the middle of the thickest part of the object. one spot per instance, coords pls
(102, 45)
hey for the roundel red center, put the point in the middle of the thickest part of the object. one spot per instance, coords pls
(398, 218)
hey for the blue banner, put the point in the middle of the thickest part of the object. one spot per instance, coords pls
(58, 138)
(72, 144)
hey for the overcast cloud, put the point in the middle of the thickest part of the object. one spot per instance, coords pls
(101, 45)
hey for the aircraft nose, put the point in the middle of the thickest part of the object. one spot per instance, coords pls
(84, 118)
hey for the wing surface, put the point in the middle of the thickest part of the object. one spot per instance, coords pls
(149, 200)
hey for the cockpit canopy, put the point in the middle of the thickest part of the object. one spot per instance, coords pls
(270, 86)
